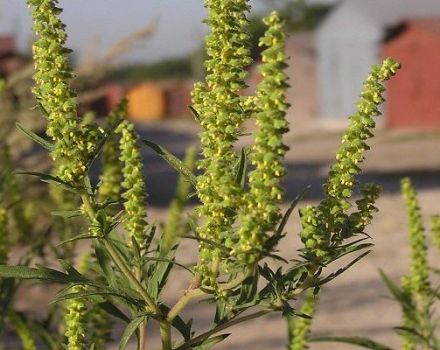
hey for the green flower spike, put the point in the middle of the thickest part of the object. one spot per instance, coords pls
(95, 320)
(76, 321)
(435, 228)
(261, 212)
(72, 144)
(331, 213)
(23, 331)
(110, 187)
(133, 184)
(416, 283)
(418, 278)
(359, 220)
(4, 241)
(219, 106)
(75, 317)
(299, 327)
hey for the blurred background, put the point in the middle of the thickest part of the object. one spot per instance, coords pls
(152, 52)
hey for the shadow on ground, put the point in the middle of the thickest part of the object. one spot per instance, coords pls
(161, 178)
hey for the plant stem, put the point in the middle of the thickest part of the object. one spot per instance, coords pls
(237, 281)
(183, 301)
(118, 260)
(308, 282)
(116, 257)
(141, 345)
(221, 327)
(165, 335)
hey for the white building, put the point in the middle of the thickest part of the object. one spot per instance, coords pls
(349, 42)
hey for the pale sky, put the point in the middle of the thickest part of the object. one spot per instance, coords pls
(179, 29)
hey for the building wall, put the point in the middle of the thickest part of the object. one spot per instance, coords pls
(347, 46)
(414, 94)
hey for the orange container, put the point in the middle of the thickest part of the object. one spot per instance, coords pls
(146, 101)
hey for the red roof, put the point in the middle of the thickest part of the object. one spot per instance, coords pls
(428, 24)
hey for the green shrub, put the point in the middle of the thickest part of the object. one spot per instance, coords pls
(238, 222)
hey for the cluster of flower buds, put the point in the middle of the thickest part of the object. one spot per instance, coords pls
(360, 219)
(261, 211)
(219, 106)
(331, 214)
(418, 278)
(72, 144)
(435, 228)
(300, 327)
(23, 331)
(133, 184)
(111, 173)
(75, 321)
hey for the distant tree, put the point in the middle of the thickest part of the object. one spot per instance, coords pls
(301, 14)
(170, 68)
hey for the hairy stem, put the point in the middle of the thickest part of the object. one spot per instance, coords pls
(118, 260)
(183, 301)
(165, 335)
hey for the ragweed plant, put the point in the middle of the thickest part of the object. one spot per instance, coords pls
(416, 294)
(238, 222)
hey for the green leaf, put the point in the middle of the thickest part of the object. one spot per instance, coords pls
(339, 252)
(249, 289)
(195, 113)
(105, 263)
(175, 162)
(240, 177)
(77, 238)
(70, 270)
(114, 311)
(343, 269)
(136, 249)
(170, 261)
(67, 214)
(51, 179)
(397, 292)
(108, 133)
(160, 275)
(360, 341)
(289, 211)
(42, 142)
(129, 330)
(41, 273)
(66, 296)
(210, 342)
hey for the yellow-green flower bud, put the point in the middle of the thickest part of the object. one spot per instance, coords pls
(111, 176)
(133, 184)
(23, 331)
(418, 278)
(75, 321)
(435, 228)
(299, 327)
(73, 144)
(219, 106)
(260, 211)
(331, 213)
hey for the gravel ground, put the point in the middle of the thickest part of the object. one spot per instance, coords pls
(356, 303)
